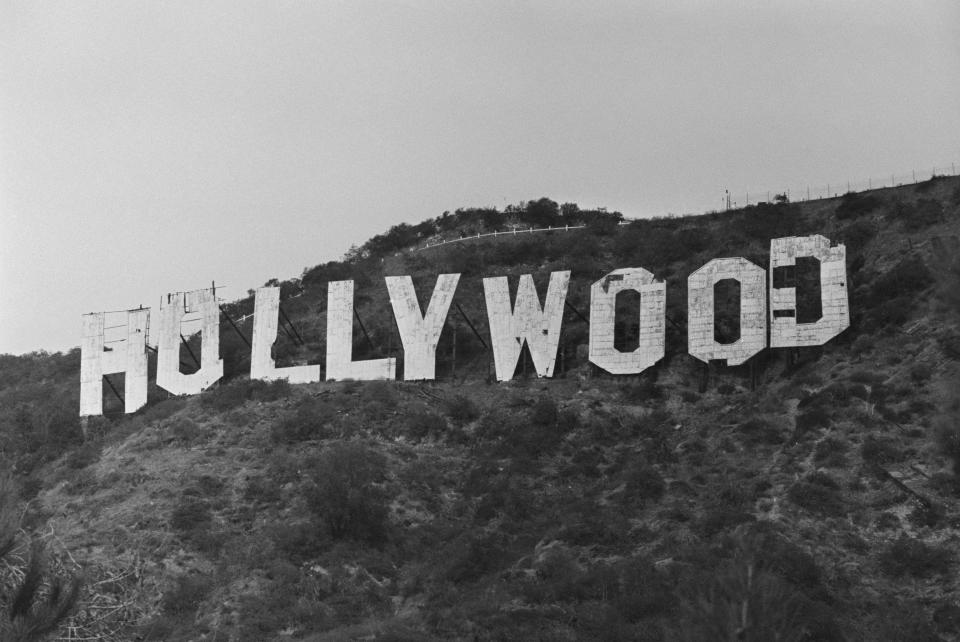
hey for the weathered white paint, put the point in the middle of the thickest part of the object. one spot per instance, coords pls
(785, 332)
(527, 321)
(603, 298)
(128, 356)
(420, 333)
(753, 311)
(340, 363)
(266, 313)
(172, 308)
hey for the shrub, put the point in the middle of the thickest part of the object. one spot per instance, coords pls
(813, 419)
(947, 434)
(423, 422)
(345, 494)
(643, 483)
(818, 493)
(308, 421)
(721, 518)
(34, 601)
(907, 556)
(230, 395)
(831, 452)
(191, 519)
(640, 391)
(85, 455)
(544, 412)
(186, 595)
(299, 540)
(877, 450)
(183, 429)
(867, 377)
(470, 557)
(761, 431)
(854, 204)
(461, 409)
(261, 490)
(856, 236)
(225, 396)
(924, 213)
(921, 372)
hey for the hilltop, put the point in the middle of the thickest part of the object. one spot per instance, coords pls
(810, 495)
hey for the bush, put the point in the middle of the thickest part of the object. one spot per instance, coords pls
(924, 213)
(184, 429)
(544, 412)
(831, 452)
(877, 450)
(235, 393)
(345, 493)
(854, 204)
(761, 431)
(190, 515)
(721, 518)
(422, 422)
(185, 596)
(813, 419)
(818, 493)
(461, 409)
(920, 373)
(85, 455)
(947, 436)
(907, 556)
(310, 420)
(643, 484)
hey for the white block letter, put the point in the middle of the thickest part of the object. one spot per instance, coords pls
(340, 363)
(172, 309)
(265, 321)
(418, 332)
(603, 298)
(753, 311)
(128, 356)
(540, 328)
(785, 332)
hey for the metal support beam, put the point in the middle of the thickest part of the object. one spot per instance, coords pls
(112, 387)
(364, 330)
(234, 326)
(470, 323)
(192, 356)
(284, 316)
(577, 312)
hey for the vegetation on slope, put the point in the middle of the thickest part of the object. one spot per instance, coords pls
(815, 500)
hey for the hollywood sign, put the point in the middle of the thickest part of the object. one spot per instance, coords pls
(510, 326)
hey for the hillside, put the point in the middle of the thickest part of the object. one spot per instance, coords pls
(809, 495)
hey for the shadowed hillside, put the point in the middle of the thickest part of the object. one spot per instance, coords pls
(808, 495)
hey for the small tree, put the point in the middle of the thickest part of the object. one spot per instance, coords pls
(32, 606)
(343, 492)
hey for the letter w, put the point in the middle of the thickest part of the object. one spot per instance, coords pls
(526, 321)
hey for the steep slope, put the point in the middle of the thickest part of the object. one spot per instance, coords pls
(814, 500)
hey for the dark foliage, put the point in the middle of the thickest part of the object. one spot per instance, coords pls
(345, 491)
(907, 556)
(818, 493)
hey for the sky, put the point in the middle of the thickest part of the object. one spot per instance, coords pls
(153, 147)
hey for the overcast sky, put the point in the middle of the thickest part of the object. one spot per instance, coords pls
(148, 147)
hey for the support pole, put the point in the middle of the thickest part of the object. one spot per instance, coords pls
(577, 312)
(453, 354)
(112, 387)
(364, 329)
(284, 316)
(235, 328)
(192, 356)
(469, 323)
